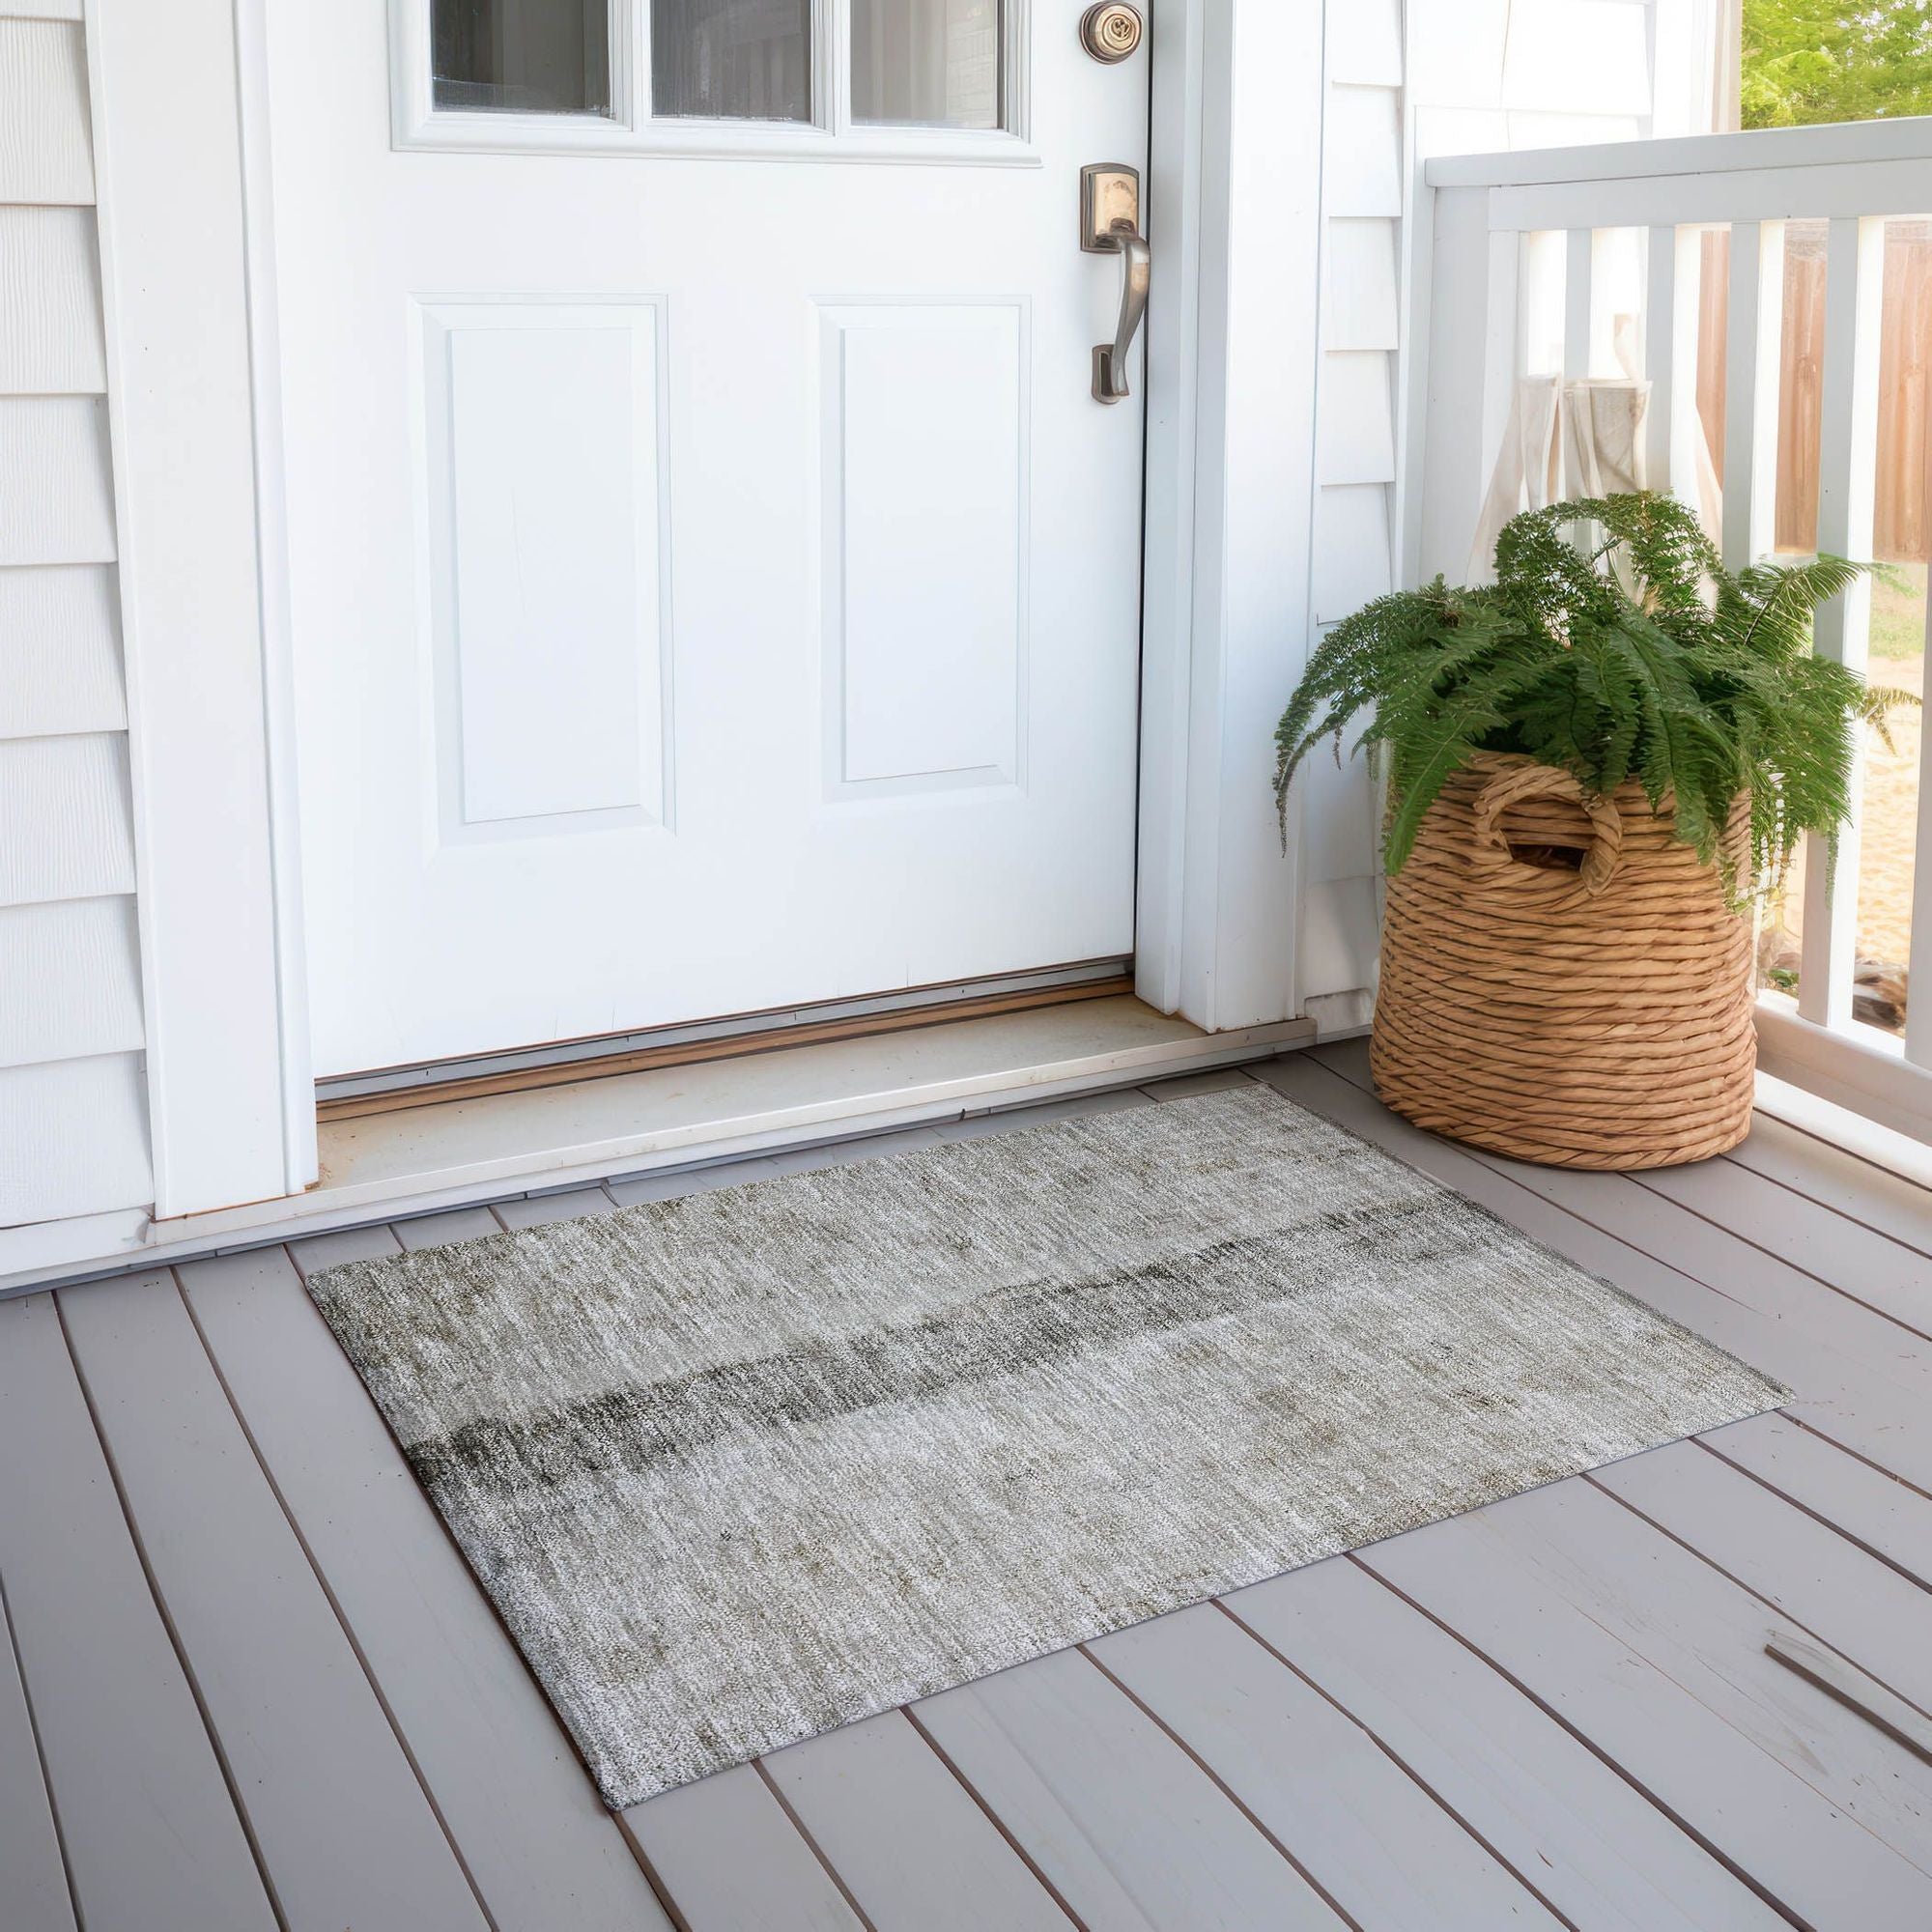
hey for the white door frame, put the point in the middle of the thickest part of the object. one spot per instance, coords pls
(182, 152)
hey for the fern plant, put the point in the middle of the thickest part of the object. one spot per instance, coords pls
(1614, 646)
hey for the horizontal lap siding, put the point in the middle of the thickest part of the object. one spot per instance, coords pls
(73, 1130)
(1355, 462)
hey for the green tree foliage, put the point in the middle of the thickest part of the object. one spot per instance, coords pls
(1835, 60)
(1634, 656)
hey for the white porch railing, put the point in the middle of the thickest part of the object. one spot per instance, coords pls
(1523, 265)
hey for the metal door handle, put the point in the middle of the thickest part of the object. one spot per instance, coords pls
(1110, 224)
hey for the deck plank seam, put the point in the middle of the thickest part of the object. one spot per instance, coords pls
(642, 1859)
(1811, 1427)
(813, 1845)
(1395, 1758)
(1797, 1267)
(1756, 1595)
(1817, 1515)
(1831, 1207)
(911, 1714)
(182, 1660)
(1739, 1872)
(40, 1758)
(336, 1610)
(1227, 1791)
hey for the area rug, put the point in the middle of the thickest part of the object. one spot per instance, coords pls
(744, 1466)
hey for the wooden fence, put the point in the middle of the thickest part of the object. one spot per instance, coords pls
(1903, 521)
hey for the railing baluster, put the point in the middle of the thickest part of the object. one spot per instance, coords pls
(1847, 480)
(1660, 358)
(1918, 1016)
(1752, 334)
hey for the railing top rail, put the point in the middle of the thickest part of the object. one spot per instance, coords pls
(1854, 141)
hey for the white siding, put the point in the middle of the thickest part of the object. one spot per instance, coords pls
(84, 951)
(56, 487)
(46, 153)
(73, 1132)
(73, 1138)
(49, 304)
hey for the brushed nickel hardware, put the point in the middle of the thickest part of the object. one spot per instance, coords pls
(1110, 32)
(1110, 224)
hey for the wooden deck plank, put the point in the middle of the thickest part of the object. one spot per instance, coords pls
(1603, 1854)
(1126, 1826)
(1858, 1261)
(345, 1829)
(1660, 1662)
(454, 1224)
(537, 1839)
(344, 1244)
(33, 1893)
(905, 1835)
(151, 1832)
(1838, 1393)
(731, 1860)
(539, 1210)
(1838, 1180)
(1852, 1601)
(1666, 1232)
(1373, 1839)
(1873, 1508)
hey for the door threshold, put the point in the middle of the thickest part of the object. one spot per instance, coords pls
(458, 1153)
(393, 1089)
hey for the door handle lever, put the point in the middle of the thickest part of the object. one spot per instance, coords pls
(1110, 224)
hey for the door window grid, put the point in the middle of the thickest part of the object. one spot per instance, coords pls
(933, 79)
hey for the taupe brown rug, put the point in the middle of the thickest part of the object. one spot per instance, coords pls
(741, 1467)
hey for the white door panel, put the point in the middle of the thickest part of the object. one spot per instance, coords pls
(714, 586)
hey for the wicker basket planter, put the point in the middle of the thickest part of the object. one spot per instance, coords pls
(1599, 1017)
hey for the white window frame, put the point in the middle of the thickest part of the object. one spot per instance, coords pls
(630, 129)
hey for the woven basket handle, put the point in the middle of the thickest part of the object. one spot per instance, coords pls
(1491, 852)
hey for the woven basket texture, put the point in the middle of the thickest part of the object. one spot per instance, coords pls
(1596, 1016)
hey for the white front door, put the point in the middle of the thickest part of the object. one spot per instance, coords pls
(715, 585)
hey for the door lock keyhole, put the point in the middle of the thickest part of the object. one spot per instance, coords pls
(1111, 31)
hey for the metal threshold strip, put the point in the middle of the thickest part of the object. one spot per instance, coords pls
(384, 1089)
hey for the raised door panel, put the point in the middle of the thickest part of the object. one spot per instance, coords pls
(543, 508)
(925, 512)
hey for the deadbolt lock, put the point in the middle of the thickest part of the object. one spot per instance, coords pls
(1111, 31)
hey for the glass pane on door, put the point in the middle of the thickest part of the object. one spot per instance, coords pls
(927, 63)
(522, 56)
(731, 59)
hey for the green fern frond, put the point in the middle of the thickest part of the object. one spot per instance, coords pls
(1635, 656)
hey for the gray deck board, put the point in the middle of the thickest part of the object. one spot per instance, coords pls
(1660, 1662)
(1839, 1180)
(911, 1843)
(1601, 1852)
(347, 1834)
(33, 1893)
(1373, 1839)
(731, 1859)
(1127, 1827)
(1836, 1391)
(538, 1840)
(1852, 1602)
(1866, 1504)
(1666, 1232)
(1553, 1711)
(152, 1835)
(1860, 1262)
